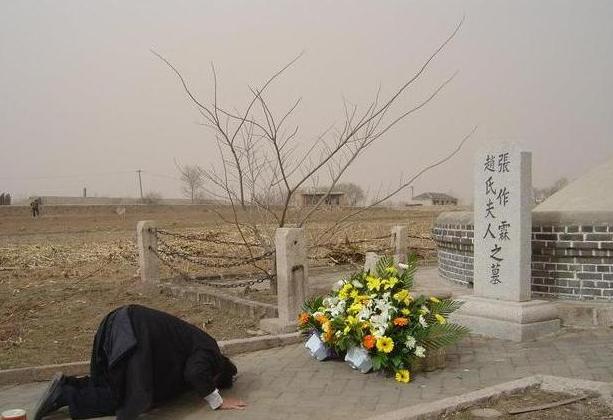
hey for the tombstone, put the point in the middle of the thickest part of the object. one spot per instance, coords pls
(501, 305)
(2, 199)
(7, 199)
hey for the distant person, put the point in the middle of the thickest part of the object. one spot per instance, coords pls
(35, 205)
(141, 358)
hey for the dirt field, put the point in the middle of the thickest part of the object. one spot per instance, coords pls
(62, 272)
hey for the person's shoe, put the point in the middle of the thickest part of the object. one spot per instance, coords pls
(51, 399)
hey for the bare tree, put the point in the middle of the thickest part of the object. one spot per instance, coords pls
(264, 162)
(354, 193)
(193, 180)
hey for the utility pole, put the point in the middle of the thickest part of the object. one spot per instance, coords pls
(140, 183)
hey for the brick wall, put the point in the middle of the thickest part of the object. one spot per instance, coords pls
(455, 252)
(573, 261)
(571, 258)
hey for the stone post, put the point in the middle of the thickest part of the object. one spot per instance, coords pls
(292, 275)
(370, 261)
(501, 305)
(400, 243)
(148, 262)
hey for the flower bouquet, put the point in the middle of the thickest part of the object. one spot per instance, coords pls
(373, 319)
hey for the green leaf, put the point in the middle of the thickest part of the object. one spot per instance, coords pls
(383, 263)
(377, 362)
(445, 306)
(397, 362)
(443, 335)
(312, 304)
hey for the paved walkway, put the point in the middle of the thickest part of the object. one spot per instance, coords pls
(285, 383)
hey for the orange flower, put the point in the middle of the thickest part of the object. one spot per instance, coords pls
(369, 341)
(303, 318)
(400, 321)
(328, 335)
(321, 318)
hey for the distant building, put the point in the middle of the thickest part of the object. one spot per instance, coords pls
(309, 199)
(435, 199)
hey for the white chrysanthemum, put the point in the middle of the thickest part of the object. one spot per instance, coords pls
(330, 301)
(378, 325)
(410, 342)
(316, 314)
(338, 309)
(357, 284)
(364, 314)
(420, 351)
(383, 305)
(422, 321)
(425, 310)
(403, 266)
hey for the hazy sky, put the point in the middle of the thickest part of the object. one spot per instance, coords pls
(83, 102)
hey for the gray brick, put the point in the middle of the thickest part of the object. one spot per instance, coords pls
(599, 237)
(589, 276)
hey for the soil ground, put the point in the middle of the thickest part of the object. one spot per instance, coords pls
(62, 272)
(590, 408)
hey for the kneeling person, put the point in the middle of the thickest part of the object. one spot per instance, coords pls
(142, 357)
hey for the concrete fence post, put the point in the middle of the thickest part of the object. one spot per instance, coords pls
(148, 262)
(400, 243)
(292, 276)
(370, 261)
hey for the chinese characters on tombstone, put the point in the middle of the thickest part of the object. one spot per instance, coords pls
(502, 223)
(497, 195)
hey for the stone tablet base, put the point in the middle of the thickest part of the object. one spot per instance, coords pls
(516, 321)
(276, 326)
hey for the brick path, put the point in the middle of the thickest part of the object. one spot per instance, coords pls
(285, 383)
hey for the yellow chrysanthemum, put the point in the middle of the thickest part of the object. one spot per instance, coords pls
(354, 294)
(392, 270)
(355, 308)
(385, 344)
(433, 299)
(362, 299)
(373, 283)
(327, 326)
(403, 376)
(407, 300)
(440, 318)
(390, 283)
(351, 320)
(345, 290)
(401, 295)
(405, 311)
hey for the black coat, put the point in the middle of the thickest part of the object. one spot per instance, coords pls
(148, 356)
